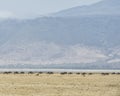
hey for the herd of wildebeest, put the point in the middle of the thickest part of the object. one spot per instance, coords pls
(62, 73)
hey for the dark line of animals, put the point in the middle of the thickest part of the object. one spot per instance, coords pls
(62, 73)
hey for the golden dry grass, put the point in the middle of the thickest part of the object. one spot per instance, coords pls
(59, 85)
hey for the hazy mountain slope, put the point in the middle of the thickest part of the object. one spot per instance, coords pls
(91, 31)
(39, 42)
(79, 41)
(104, 7)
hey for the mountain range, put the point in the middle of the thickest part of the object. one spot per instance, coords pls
(80, 37)
(105, 7)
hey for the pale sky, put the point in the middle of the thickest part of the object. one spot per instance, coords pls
(34, 8)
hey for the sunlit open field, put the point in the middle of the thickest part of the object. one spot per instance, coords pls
(59, 85)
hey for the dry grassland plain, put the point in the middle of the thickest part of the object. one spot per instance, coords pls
(59, 85)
